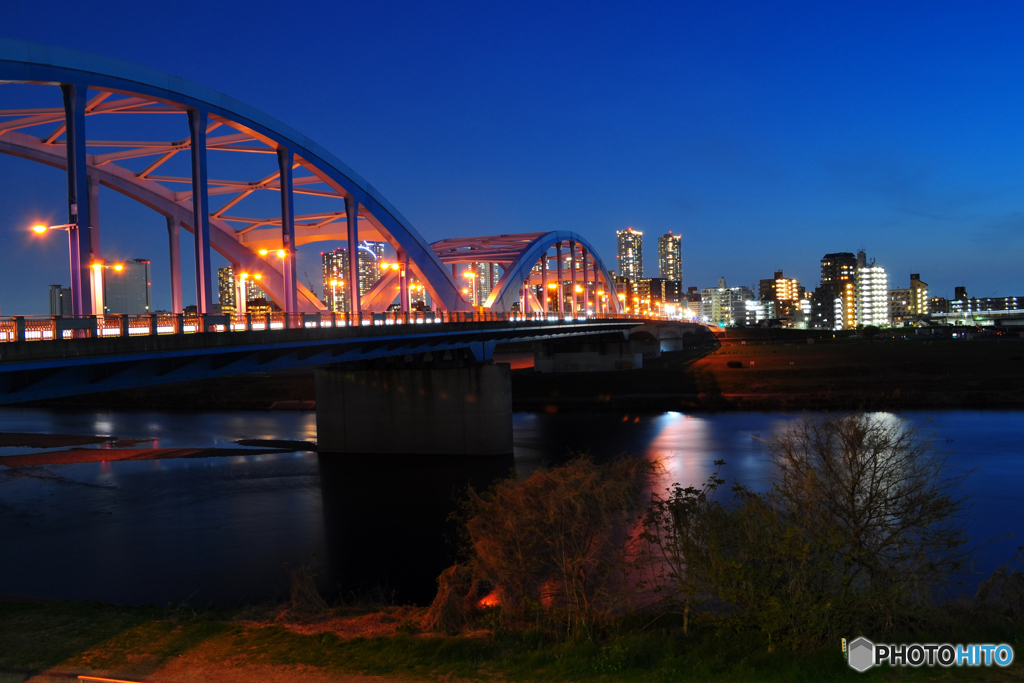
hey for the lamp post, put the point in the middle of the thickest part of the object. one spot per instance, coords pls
(73, 255)
(97, 284)
(472, 285)
(334, 295)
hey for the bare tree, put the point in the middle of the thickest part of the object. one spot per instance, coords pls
(894, 501)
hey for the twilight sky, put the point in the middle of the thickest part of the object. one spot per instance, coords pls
(768, 134)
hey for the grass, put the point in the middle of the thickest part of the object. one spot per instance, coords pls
(136, 642)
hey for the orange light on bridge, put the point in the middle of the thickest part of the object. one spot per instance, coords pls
(264, 252)
(281, 253)
(118, 267)
(40, 229)
(258, 276)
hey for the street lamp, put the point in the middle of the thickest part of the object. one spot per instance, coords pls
(472, 282)
(73, 258)
(97, 283)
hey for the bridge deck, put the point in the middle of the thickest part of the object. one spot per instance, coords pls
(35, 370)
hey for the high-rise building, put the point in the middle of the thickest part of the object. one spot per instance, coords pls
(60, 300)
(900, 310)
(918, 295)
(872, 286)
(725, 305)
(126, 287)
(833, 305)
(371, 256)
(335, 267)
(253, 293)
(335, 271)
(226, 290)
(657, 295)
(487, 276)
(670, 257)
(781, 297)
(631, 253)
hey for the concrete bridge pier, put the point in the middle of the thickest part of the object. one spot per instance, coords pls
(415, 411)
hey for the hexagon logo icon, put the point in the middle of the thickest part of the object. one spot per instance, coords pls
(861, 654)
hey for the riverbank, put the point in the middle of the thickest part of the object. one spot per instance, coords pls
(788, 373)
(767, 370)
(57, 641)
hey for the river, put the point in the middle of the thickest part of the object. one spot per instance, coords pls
(226, 530)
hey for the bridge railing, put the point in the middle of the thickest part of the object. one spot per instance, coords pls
(44, 328)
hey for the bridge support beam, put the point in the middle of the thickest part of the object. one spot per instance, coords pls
(403, 280)
(352, 216)
(572, 274)
(586, 284)
(544, 284)
(561, 280)
(430, 411)
(75, 96)
(174, 247)
(94, 218)
(197, 121)
(285, 161)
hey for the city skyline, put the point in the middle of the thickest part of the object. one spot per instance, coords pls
(843, 132)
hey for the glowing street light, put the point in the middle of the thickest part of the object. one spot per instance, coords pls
(472, 281)
(73, 256)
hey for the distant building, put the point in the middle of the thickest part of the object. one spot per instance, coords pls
(693, 295)
(900, 308)
(626, 293)
(656, 295)
(487, 276)
(918, 295)
(226, 290)
(938, 305)
(872, 287)
(833, 305)
(670, 257)
(780, 298)
(725, 305)
(1002, 311)
(631, 253)
(60, 300)
(126, 287)
(335, 273)
(256, 299)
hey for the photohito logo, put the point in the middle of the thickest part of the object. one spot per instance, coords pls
(862, 654)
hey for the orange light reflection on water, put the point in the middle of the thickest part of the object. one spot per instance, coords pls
(681, 449)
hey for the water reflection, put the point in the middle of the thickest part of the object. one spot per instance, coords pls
(219, 530)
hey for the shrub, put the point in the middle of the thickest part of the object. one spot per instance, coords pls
(554, 544)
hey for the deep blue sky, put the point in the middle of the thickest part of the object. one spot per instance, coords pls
(766, 133)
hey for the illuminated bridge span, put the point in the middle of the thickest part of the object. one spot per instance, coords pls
(436, 394)
(320, 198)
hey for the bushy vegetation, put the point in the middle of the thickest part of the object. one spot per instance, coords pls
(860, 533)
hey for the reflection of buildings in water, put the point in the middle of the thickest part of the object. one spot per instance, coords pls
(386, 520)
(680, 448)
(688, 445)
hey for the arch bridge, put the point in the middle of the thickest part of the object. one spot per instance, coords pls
(552, 284)
(229, 215)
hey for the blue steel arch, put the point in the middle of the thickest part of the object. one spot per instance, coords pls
(23, 62)
(510, 285)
